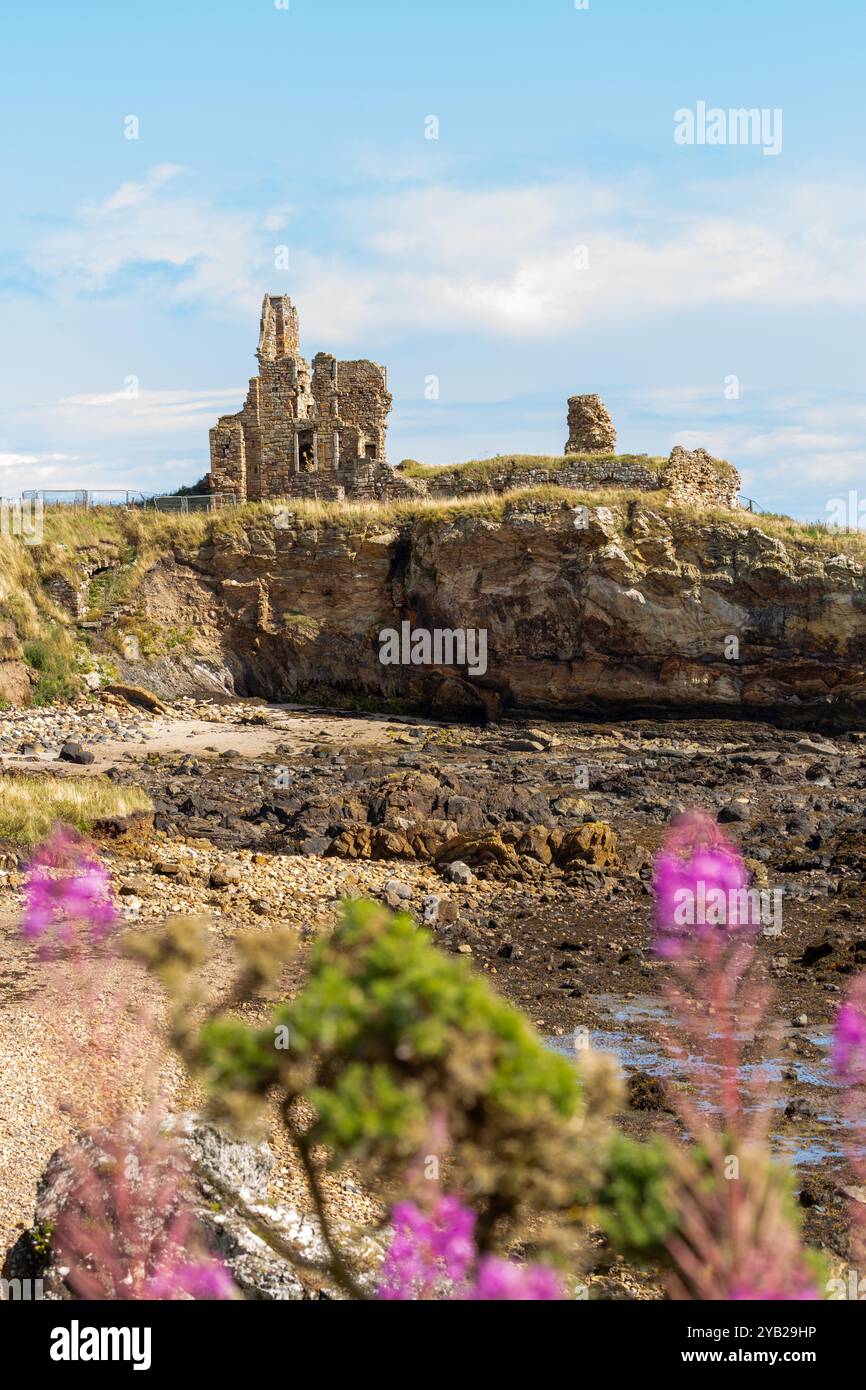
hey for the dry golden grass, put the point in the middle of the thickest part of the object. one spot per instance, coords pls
(494, 506)
(29, 806)
(815, 535)
(142, 532)
(145, 535)
(21, 598)
(369, 516)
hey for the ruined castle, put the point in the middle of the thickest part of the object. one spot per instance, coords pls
(321, 434)
(303, 433)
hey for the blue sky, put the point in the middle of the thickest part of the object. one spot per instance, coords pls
(554, 239)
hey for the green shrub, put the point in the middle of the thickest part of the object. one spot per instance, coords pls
(390, 1033)
(53, 658)
(633, 1206)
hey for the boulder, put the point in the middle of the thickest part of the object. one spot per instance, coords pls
(535, 845)
(139, 697)
(458, 872)
(224, 1180)
(225, 875)
(74, 753)
(593, 843)
(478, 851)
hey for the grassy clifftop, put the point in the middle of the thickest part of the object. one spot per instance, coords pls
(102, 556)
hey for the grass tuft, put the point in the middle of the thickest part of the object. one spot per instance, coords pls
(29, 806)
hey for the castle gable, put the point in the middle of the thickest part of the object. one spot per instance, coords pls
(302, 433)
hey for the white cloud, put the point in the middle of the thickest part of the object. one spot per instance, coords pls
(513, 260)
(153, 228)
(131, 195)
(492, 260)
(120, 413)
(20, 460)
(810, 441)
(24, 470)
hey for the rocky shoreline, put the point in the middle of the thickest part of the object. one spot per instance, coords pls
(527, 848)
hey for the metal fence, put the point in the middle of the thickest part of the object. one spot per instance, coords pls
(83, 499)
(194, 502)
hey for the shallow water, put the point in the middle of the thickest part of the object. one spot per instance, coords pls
(634, 1050)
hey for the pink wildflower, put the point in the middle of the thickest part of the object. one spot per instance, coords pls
(734, 1239)
(68, 892)
(431, 1257)
(849, 1038)
(126, 1229)
(428, 1253)
(198, 1279)
(505, 1281)
(699, 880)
(742, 1293)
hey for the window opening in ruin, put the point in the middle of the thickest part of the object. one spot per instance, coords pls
(306, 451)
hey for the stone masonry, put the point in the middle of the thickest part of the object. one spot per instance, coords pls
(590, 428)
(318, 433)
(691, 476)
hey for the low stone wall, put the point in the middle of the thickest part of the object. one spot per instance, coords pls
(69, 596)
(378, 482)
(316, 487)
(583, 473)
(695, 476)
(371, 481)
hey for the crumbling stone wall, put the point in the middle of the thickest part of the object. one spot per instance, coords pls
(583, 473)
(73, 597)
(590, 428)
(369, 481)
(321, 434)
(695, 476)
(228, 457)
(364, 402)
(295, 423)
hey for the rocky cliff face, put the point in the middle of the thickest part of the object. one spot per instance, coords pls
(611, 611)
(16, 678)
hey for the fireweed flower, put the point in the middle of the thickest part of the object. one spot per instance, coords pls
(848, 1054)
(67, 892)
(428, 1252)
(848, 1059)
(126, 1228)
(504, 1281)
(733, 1239)
(205, 1279)
(744, 1293)
(432, 1256)
(700, 884)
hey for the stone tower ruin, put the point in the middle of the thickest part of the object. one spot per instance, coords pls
(320, 433)
(590, 428)
(303, 433)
